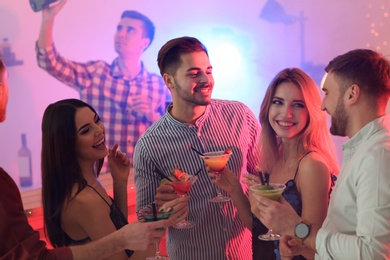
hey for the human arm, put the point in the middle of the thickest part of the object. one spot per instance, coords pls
(77, 75)
(365, 228)
(231, 184)
(254, 130)
(165, 193)
(149, 105)
(89, 215)
(135, 236)
(45, 38)
(120, 168)
(313, 183)
(18, 239)
(147, 180)
(359, 228)
(180, 209)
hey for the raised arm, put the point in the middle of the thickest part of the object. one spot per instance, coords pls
(74, 74)
(46, 31)
(231, 184)
(120, 168)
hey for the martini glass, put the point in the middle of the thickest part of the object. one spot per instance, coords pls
(149, 216)
(182, 187)
(216, 161)
(272, 191)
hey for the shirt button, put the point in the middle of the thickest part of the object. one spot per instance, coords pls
(199, 135)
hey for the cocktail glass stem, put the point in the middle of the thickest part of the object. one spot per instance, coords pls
(220, 197)
(157, 255)
(184, 223)
(270, 236)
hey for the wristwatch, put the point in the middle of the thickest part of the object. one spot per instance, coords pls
(302, 231)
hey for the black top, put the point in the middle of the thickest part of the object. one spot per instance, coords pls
(117, 218)
(270, 249)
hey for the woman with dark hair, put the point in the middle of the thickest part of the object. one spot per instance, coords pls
(295, 147)
(77, 208)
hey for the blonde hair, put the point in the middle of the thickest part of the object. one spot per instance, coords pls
(315, 136)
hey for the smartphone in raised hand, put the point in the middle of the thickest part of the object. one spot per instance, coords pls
(39, 5)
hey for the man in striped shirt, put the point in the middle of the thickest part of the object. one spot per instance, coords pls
(194, 120)
(126, 96)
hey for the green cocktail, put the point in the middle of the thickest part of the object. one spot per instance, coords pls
(272, 191)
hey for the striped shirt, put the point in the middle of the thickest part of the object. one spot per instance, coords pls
(105, 88)
(218, 232)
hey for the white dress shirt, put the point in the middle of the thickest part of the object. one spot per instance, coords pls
(358, 222)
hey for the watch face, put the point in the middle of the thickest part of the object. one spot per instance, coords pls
(302, 230)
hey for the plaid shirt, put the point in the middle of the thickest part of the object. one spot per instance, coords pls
(105, 88)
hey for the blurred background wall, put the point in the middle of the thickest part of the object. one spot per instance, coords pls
(248, 42)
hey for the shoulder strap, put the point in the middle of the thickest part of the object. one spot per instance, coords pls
(99, 194)
(299, 162)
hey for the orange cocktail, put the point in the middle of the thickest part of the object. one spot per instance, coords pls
(216, 162)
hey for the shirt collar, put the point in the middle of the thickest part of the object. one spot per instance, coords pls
(117, 73)
(367, 131)
(199, 122)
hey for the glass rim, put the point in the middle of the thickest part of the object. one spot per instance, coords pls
(277, 187)
(191, 178)
(215, 154)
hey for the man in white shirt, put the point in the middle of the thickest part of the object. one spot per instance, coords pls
(357, 90)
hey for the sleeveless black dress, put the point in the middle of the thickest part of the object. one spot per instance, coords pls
(117, 218)
(269, 250)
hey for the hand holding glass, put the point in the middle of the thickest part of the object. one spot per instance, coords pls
(272, 191)
(216, 161)
(182, 188)
(150, 216)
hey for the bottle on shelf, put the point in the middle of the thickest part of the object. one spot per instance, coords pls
(6, 49)
(24, 162)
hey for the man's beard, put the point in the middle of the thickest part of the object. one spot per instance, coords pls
(339, 120)
(186, 96)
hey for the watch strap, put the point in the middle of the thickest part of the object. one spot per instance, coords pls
(301, 239)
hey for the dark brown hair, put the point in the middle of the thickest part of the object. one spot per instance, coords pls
(169, 59)
(60, 167)
(149, 28)
(366, 68)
